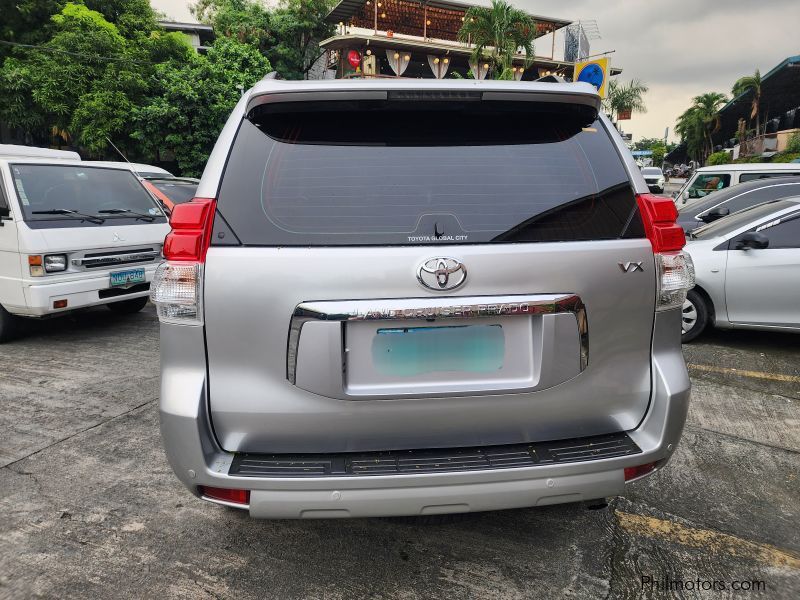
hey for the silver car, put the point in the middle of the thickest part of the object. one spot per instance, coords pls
(412, 297)
(747, 267)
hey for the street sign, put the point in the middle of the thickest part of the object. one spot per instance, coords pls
(593, 71)
(624, 115)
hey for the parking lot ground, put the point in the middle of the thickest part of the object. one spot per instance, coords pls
(90, 508)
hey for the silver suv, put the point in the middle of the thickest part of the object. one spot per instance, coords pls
(419, 297)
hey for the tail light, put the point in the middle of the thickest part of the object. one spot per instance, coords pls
(177, 288)
(674, 267)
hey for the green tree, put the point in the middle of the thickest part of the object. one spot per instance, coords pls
(625, 97)
(646, 143)
(26, 22)
(191, 101)
(699, 122)
(298, 27)
(287, 35)
(82, 83)
(244, 20)
(49, 82)
(498, 34)
(751, 83)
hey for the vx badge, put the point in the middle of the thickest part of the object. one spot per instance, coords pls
(630, 267)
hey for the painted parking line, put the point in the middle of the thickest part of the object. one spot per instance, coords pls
(711, 541)
(745, 373)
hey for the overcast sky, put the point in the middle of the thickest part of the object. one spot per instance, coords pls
(680, 48)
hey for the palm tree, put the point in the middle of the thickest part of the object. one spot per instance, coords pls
(751, 83)
(622, 97)
(700, 122)
(498, 33)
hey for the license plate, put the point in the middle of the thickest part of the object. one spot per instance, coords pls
(411, 351)
(129, 277)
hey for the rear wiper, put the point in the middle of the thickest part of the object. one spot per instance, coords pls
(125, 211)
(67, 211)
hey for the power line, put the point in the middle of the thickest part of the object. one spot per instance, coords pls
(78, 54)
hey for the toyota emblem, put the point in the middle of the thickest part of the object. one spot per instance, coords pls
(442, 274)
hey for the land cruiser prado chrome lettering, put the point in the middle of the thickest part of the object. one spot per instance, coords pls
(412, 298)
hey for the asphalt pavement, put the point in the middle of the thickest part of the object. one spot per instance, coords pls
(89, 507)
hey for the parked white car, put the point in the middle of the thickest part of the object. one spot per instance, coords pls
(747, 270)
(654, 178)
(710, 179)
(74, 234)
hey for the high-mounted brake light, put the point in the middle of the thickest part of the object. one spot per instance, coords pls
(177, 287)
(675, 269)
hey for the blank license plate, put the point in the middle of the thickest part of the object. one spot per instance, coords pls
(411, 351)
(129, 277)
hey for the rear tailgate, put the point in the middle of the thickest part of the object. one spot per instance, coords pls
(426, 273)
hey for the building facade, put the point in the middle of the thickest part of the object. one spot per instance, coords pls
(419, 39)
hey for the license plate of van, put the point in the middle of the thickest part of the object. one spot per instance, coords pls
(128, 277)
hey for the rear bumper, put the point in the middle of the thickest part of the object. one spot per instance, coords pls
(78, 292)
(198, 460)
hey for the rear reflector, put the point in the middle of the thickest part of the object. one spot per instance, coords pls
(225, 495)
(639, 471)
(59, 304)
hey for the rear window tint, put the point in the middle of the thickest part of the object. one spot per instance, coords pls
(399, 173)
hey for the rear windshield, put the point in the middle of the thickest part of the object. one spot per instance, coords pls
(177, 191)
(71, 195)
(421, 172)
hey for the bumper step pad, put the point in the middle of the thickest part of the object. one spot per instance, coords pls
(406, 462)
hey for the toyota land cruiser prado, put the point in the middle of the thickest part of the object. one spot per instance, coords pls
(410, 298)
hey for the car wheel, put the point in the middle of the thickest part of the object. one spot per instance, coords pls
(694, 316)
(128, 307)
(8, 325)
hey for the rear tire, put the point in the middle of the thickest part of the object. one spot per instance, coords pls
(128, 307)
(8, 325)
(694, 316)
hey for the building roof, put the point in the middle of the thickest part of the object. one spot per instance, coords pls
(178, 26)
(346, 9)
(780, 92)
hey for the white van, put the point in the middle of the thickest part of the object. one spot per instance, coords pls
(142, 170)
(710, 179)
(74, 234)
(16, 151)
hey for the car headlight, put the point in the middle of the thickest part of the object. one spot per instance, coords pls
(55, 262)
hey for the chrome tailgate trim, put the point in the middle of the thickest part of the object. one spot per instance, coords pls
(434, 309)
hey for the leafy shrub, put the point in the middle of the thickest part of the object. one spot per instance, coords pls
(718, 158)
(785, 157)
(794, 143)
